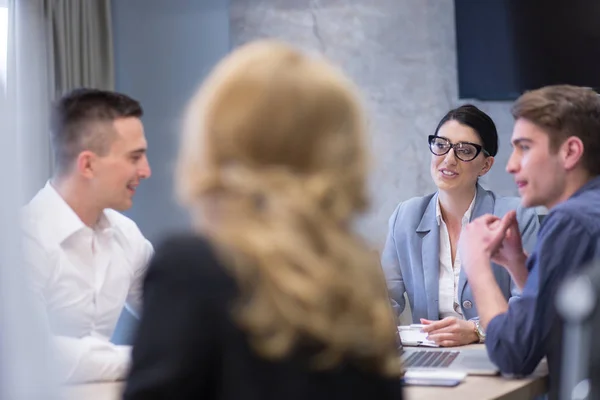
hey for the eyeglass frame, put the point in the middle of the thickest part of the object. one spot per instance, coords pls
(478, 147)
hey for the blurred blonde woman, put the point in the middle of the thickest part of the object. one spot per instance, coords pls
(273, 296)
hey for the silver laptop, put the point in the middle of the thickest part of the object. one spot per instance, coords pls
(470, 361)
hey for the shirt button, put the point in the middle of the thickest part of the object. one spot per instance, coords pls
(467, 304)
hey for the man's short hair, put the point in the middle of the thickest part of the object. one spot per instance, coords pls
(563, 111)
(81, 120)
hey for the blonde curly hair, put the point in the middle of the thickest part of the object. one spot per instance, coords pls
(273, 167)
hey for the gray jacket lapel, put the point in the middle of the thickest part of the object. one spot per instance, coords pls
(428, 229)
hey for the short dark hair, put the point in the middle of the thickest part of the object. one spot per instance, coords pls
(479, 121)
(75, 120)
(563, 111)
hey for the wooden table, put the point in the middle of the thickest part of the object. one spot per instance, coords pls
(486, 387)
(474, 387)
(94, 391)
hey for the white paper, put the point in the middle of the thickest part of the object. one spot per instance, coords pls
(412, 336)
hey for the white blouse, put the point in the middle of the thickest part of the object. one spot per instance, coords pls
(449, 273)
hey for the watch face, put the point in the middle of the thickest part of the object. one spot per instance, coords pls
(480, 330)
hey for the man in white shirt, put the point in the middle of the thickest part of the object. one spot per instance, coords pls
(85, 258)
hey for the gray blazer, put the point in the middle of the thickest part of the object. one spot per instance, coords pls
(410, 258)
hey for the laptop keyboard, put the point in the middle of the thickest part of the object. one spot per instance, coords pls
(430, 359)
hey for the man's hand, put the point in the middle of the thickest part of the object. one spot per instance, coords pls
(510, 254)
(450, 331)
(478, 241)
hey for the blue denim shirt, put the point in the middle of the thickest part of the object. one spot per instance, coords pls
(569, 237)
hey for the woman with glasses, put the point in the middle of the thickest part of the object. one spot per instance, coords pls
(420, 256)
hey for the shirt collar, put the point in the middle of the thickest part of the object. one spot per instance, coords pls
(466, 217)
(61, 218)
(592, 184)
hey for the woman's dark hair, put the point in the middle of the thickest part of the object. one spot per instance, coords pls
(479, 121)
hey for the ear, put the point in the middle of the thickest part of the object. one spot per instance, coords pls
(487, 165)
(571, 152)
(85, 164)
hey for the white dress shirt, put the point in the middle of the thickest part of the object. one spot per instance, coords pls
(82, 278)
(449, 272)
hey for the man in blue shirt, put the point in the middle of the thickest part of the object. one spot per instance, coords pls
(555, 163)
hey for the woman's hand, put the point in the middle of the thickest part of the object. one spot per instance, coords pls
(450, 331)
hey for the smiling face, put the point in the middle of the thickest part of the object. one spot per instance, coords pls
(451, 174)
(118, 173)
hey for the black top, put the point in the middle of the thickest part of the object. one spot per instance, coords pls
(187, 345)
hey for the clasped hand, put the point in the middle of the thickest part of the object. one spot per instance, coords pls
(489, 238)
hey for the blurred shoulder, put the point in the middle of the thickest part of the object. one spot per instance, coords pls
(189, 257)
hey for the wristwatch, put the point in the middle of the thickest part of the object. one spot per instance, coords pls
(479, 331)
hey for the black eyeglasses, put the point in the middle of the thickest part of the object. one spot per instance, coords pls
(464, 151)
